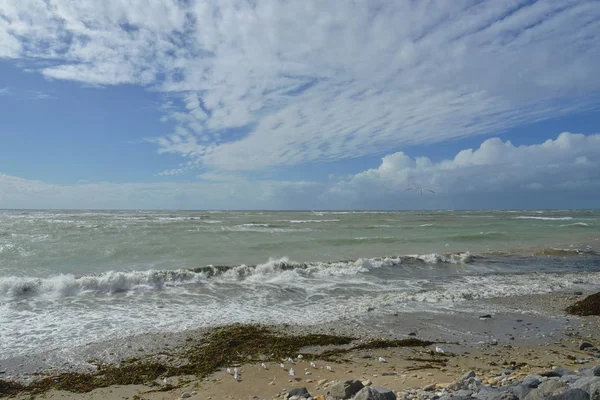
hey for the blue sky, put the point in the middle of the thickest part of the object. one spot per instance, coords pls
(278, 105)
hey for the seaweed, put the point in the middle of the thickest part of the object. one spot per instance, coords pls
(220, 347)
(588, 306)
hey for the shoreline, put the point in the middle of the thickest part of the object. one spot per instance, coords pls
(532, 330)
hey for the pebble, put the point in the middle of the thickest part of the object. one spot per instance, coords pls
(185, 395)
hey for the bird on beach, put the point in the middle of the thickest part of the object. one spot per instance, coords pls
(328, 368)
(263, 365)
(229, 370)
(292, 372)
(290, 360)
(236, 376)
(282, 366)
(438, 349)
(419, 190)
(383, 360)
(312, 364)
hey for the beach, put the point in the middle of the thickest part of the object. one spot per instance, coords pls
(532, 335)
(127, 292)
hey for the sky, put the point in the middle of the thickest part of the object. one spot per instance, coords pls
(311, 104)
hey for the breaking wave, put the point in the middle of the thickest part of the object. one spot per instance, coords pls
(544, 218)
(123, 281)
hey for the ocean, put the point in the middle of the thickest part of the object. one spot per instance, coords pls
(69, 278)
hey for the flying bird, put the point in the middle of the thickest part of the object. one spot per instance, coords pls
(419, 190)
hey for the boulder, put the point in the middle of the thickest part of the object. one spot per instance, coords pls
(585, 345)
(345, 389)
(370, 393)
(596, 370)
(571, 394)
(467, 375)
(299, 392)
(546, 389)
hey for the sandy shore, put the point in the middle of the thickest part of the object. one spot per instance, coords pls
(525, 333)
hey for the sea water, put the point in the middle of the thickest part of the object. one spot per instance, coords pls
(68, 278)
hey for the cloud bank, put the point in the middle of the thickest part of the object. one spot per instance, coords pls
(564, 172)
(252, 85)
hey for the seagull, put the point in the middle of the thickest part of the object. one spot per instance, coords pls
(236, 376)
(292, 372)
(300, 356)
(229, 370)
(282, 366)
(420, 190)
(307, 373)
(383, 360)
(312, 364)
(290, 360)
(166, 381)
(438, 349)
(328, 368)
(263, 365)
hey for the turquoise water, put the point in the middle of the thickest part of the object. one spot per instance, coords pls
(71, 277)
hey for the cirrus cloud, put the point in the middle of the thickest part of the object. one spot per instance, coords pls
(261, 84)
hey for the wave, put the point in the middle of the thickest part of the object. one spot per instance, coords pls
(477, 287)
(116, 282)
(544, 218)
(576, 224)
(261, 228)
(308, 221)
(572, 252)
(478, 236)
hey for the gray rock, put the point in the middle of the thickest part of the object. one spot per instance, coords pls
(589, 384)
(585, 345)
(463, 393)
(520, 390)
(487, 393)
(467, 375)
(185, 395)
(531, 381)
(569, 378)
(505, 396)
(571, 394)
(596, 370)
(345, 389)
(300, 392)
(550, 374)
(369, 393)
(548, 388)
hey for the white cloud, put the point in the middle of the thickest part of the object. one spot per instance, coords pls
(530, 175)
(560, 173)
(313, 80)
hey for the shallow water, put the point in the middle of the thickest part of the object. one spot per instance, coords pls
(69, 277)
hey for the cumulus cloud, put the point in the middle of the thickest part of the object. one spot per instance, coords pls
(561, 171)
(260, 84)
(564, 173)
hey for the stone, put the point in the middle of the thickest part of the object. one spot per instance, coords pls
(586, 383)
(429, 388)
(321, 382)
(596, 370)
(492, 381)
(487, 393)
(585, 345)
(301, 392)
(368, 382)
(531, 381)
(463, 393)
(571, 394)
(486, 316)
(550, 374)
(344, 389)
(547, 388)
(520, 390)
(185, 395)
(467, 375)
(505, 396)
(562, 371)
(369, 393)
